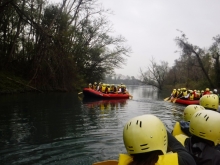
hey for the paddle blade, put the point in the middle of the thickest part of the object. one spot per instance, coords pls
(130, 96)
(166, 99)
(174, 100)
(79, 93)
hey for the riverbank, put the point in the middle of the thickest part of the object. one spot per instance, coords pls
(10, 84)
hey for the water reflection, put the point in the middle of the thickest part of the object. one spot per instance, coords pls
(111, 104)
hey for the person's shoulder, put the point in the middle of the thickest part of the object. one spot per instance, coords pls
(213, 152)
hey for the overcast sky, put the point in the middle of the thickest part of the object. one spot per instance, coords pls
(150, 27)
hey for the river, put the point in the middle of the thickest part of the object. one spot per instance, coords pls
(64, 128)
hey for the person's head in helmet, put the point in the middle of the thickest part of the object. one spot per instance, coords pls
(141, 138)
(207, 89)
(205, 125)
(209, 102)
(190, 110)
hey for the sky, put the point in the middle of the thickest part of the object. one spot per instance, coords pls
(150, 28)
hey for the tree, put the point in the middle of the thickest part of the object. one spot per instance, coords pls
(58, 46)
(215, 53)
(155, 74)
(191, 50)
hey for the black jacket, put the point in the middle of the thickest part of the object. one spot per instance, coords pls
(184, 158)
(202, 152)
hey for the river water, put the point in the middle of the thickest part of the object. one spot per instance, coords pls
(64, 128)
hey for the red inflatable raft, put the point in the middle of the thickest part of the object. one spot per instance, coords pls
(187, 102)
(88, 92)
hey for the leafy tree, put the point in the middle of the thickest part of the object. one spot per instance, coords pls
(58, 46)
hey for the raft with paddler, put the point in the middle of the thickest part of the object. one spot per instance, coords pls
(106, 91)
(186, 97)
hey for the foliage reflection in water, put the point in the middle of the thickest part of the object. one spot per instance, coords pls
(62, 128)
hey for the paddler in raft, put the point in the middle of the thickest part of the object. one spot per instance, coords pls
(205, 130)
(94, 86)
(182, 127)
(172, 95)
(149, 143)
(90, 85)
(207, 102)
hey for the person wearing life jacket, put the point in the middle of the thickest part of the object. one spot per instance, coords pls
(185, 97)
(180, 93)
(119, 89)
(182, 127)
(103, 88)
(191, 95)
(122, 88)
(107, 89)
(207, 91)
(99, 87)
(172, 95)
(197, 95)
(94, 86)
(112, 88)
(90, 85)
(148, 143)
(210, 102)
(184, 92)
(205, 130)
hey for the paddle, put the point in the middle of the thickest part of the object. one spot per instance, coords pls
(80, 93)
(166, 99)
(130, 96)
(174, 100)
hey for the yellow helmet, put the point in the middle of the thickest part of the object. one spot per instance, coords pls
(205, 124)
(95, 83)
(209, 101)
(190, 110)
(139, 136)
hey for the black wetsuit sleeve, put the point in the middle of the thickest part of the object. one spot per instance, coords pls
(184, 158)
